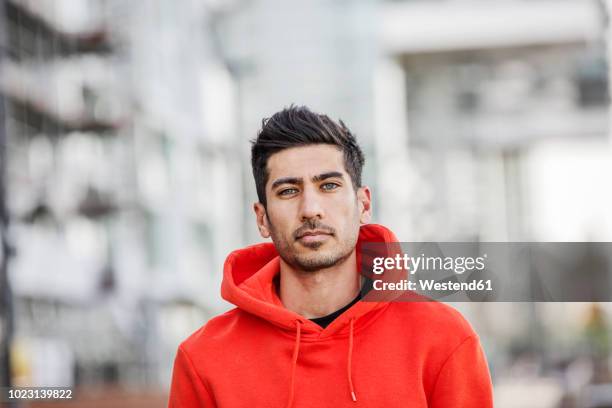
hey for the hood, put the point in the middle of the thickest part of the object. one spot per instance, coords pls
(248, 283)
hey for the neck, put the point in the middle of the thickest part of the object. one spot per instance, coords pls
(318, 293)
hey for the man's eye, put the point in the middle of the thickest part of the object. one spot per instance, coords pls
(287, 191)
(329, 186)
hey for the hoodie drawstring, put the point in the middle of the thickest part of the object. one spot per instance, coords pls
(296, 350)
(350, 361)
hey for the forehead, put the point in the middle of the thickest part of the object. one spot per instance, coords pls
(305, 161)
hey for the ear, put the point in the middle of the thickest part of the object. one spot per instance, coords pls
(262, 220)
(364, 199)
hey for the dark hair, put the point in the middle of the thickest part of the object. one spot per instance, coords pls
(299, 126)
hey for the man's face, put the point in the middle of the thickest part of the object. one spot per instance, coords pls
(313, 212)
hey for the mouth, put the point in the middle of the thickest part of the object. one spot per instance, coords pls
(313, 236)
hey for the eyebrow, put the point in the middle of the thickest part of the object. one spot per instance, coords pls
(324, 176)
(299, 180)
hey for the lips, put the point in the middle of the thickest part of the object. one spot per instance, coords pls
(315, 233)
(313, 239)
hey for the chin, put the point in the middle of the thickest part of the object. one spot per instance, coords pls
(317, 260)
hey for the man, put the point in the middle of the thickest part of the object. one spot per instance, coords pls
(300, 336)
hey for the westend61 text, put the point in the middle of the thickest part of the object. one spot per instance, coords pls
(432, 285)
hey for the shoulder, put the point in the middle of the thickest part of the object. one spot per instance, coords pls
(214, 333)
(433, 317)
(435, 331)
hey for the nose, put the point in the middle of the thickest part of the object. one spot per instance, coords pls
(310, 205)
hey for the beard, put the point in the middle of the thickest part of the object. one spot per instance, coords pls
(317, 255)
(315, 261)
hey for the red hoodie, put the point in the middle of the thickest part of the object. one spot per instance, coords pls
(375, 354)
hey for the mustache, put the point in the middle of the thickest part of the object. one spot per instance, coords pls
(310, 225)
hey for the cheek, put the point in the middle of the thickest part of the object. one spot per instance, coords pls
(278, 219)
(348, 211)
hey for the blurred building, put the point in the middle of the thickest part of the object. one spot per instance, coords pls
(117, 180)
(503, 115)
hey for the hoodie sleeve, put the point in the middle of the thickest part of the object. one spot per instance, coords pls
(187, 389)
(464, 379)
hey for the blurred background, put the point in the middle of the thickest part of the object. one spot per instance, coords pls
(125, 173)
